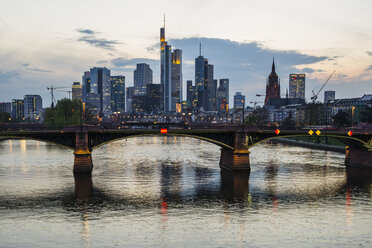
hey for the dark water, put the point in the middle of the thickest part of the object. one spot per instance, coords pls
(170, 192)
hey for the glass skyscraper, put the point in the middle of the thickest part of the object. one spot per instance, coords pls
(142, 76)
(117, 93)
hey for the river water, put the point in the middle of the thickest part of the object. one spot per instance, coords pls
(170, 192)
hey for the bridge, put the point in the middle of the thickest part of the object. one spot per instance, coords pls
(234, 142)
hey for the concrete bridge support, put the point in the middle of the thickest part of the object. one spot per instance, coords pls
(237, 159)
(83, 157)
(361, 158)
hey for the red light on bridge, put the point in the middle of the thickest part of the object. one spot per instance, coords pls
(350, 133)
(277, 131)
(163, 130)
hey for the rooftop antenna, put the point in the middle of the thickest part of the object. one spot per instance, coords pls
(164, 21)
(200, 49)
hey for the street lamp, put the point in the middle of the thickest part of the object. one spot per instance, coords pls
(243, 119)
(352, 116)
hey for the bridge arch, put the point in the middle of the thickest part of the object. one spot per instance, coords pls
(98, 144)
(350, 142)
(48, 141)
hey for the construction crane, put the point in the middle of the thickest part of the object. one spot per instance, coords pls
(315, 96)
(51, 88)
(68, 91)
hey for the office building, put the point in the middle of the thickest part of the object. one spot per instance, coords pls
(152, 98)
(222, 96)
(33, 106)
(96, 84)
(272, 85)
(18, 109)
(76, 91)
(329, 95)
(129, 98)
(297, 86)
(239, 101)
(117, 93)
(142, 76)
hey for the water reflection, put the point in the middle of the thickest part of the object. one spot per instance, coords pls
(235, 186)
(83, 186)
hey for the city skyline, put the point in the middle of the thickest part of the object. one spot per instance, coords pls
(63, 48)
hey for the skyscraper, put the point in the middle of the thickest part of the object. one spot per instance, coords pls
(329, 95)
(272, 85)
(170, 74)
(33, 106)
(176, 77)
(189, 93)
(117, 93)
(142, 76)
(205, 84)
(97, 90)
(76, 91)
(297, 86)
(6, 107)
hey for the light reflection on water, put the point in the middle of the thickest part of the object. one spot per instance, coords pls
(168, 192)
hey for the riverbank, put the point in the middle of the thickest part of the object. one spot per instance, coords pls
(325, 147)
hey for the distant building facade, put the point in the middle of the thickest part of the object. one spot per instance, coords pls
(6, 107)
(76, 91)
(18, 109)
(129, 98)
(222, 96)
(329, 95)
(239, 101)
(297, 86)
(33, 107)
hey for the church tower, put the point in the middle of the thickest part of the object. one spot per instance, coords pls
(272, 85)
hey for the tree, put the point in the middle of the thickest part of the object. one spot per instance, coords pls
(366, 115)
(288, 122)
(4, 117)
(341, 119)
(66, 112)
(259, 117)
(312, 113)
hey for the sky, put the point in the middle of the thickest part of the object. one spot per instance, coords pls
(52, 42)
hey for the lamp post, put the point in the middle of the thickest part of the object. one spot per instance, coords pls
(243, 119)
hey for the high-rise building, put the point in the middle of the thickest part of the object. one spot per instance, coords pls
(129, 98)
(272, 85)
(117, 93)
(6, 107)
(33, 106)
(76, 91)
(18, 109)
(170, 75)
(297, 86)
(329, 95)
(205, 84)
(190, 90)
(96, 84)
(142, 76)
(222, 96)
(239, 101)
(85, 86)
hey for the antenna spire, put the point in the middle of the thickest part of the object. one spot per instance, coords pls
(200, 49)
(164, 20)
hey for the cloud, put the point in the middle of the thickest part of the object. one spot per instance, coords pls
(369, 68)
(7, 76)
(334, 58)
(310, 70)
(102, 61)
(38, 70)
(25, 65)
(89, 37)
(86, 31)
(123, 62)
(369, 53)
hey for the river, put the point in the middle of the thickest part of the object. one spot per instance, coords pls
(170, 192)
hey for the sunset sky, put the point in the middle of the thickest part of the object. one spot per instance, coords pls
(53, 42)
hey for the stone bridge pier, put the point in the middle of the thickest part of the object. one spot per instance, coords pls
(83, 156)
(237, 159)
